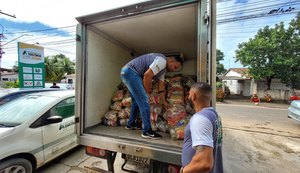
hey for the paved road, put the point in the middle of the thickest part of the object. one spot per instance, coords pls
(256, 139)
(258, 118)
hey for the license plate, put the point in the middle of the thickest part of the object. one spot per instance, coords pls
(138, 159)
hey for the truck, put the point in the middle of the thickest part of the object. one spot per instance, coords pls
(106, 41)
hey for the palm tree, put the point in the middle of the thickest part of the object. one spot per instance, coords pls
(57, 66)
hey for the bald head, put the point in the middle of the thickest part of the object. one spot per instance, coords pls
(200, 92)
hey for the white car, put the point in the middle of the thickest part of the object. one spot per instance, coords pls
(294, 110)
(35, 129)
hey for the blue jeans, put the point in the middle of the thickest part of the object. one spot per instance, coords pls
(140, 101)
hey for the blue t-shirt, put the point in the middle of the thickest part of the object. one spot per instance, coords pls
(204, 128)
(142, 63)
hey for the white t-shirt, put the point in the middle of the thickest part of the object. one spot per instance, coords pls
(159, 64)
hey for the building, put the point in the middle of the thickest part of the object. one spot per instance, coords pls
(239, 81)
(9, 75)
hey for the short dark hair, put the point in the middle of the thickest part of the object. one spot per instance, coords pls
(203, 89)
(178, 59)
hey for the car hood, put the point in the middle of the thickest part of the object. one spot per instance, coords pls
(296, 103)
(6, 131)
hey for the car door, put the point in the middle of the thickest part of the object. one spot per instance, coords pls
(60, 137)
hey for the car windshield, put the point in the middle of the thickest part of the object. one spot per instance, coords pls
(22, 109)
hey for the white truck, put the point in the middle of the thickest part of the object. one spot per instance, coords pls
(106, 41)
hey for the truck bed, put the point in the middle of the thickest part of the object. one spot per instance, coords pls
(121, 133)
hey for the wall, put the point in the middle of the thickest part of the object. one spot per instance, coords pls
(275, 85)
(232, 85)
(104, 63)
(247, 88)
(277, 94)
(10, 77)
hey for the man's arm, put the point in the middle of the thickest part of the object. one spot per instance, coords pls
(202, 161)
(147, 81)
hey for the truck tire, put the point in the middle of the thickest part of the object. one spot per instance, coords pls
(19, 165)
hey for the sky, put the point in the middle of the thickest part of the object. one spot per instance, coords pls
(53, 23)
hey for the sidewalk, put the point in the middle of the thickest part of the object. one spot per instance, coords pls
(242, 100)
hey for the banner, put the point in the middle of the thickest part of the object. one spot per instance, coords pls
(31, 66)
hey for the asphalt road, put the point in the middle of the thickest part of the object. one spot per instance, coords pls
(256, 139)
(258, 118)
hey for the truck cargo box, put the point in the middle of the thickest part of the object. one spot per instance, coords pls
(106, 41)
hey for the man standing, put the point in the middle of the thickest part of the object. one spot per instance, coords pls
(202, 148)
(54, 85)
(137, 75)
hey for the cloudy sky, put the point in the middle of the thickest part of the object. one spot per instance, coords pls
(51, 23)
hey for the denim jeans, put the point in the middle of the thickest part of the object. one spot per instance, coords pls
(140, 101)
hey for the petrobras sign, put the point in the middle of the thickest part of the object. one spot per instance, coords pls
(30, 54)
(31, 66)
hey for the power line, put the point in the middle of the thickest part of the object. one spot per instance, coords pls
(251, 17)
(13, 16)
(249, 4)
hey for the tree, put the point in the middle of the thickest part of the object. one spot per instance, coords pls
(290, 68)
(273, 52)
(58, 66)
(220, 67)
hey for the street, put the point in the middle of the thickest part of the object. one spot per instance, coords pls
(255, 139)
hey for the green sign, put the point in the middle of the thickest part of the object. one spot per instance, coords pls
(31, 66)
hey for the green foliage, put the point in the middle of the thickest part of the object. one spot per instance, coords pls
(57, 66)
(219, 85)
(220, 67)
(273, 52)
(10, 84)
(290, 62)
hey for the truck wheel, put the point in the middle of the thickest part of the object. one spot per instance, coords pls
(17, 165)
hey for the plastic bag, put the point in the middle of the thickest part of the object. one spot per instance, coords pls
(174, 114)
(177, 133)
(123, 122)
(162, 125)
(126, 102)
(108, 122)
(176, 99)
(154, 112)
(118, 95)
(153, 126)
(124, 113)
(111, 115)
(116, 106)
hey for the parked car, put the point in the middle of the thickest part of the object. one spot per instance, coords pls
(35, 129)
(7, 95)
(294, 110)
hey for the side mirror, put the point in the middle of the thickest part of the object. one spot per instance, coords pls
(54, 119)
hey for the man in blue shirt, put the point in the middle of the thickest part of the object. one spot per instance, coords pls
(137, 75)
(202, 147)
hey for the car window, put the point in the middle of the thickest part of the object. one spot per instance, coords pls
(65, 108)
(22, 109)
